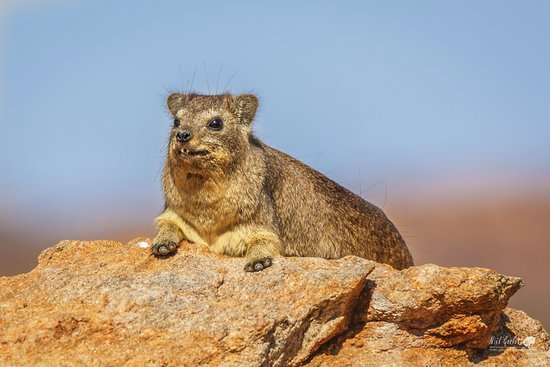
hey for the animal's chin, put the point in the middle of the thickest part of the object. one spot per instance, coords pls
(199, 160)
(193, 160)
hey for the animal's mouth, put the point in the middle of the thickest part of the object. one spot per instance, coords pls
(194, 153)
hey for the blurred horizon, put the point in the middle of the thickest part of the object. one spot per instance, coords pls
(436, 112)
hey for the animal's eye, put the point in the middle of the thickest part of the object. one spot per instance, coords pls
(215, 124)
(176, 122)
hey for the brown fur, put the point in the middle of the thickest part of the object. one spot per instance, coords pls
(244, 198)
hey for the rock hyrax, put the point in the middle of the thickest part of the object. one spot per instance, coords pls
(225, 188)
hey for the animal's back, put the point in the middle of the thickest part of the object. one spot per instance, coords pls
(318, 217)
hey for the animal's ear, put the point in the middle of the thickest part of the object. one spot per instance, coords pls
(176, 101)
(245, 106)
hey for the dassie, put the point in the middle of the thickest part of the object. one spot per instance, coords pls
(225, 188)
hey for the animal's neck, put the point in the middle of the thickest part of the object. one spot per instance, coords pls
(186, 181)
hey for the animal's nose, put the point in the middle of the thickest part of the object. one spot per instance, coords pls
(184, 135)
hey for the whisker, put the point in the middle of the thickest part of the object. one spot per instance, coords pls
(218, 79)
(360, 183)
(166, 90)
(317, 158)
(206, 74)
(229, 81)
(385, 194)
(193, 78)
(181, 75)
(333, 170)
(370, 187)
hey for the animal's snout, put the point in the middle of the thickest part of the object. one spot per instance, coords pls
(184, 135)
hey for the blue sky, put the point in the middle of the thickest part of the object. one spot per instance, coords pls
(360, 90)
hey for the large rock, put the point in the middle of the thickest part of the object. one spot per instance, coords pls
(103, 303)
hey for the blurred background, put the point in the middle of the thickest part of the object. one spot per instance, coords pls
(438, 112)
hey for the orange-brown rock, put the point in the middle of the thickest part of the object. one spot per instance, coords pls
(104, 303)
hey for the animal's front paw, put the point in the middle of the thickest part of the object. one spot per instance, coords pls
(163, 248)
(258, 264)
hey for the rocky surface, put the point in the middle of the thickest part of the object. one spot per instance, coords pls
(104, 303)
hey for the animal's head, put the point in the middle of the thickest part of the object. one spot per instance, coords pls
(209, 132)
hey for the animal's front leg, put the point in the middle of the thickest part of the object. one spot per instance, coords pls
(171, 230)
(261, 247)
